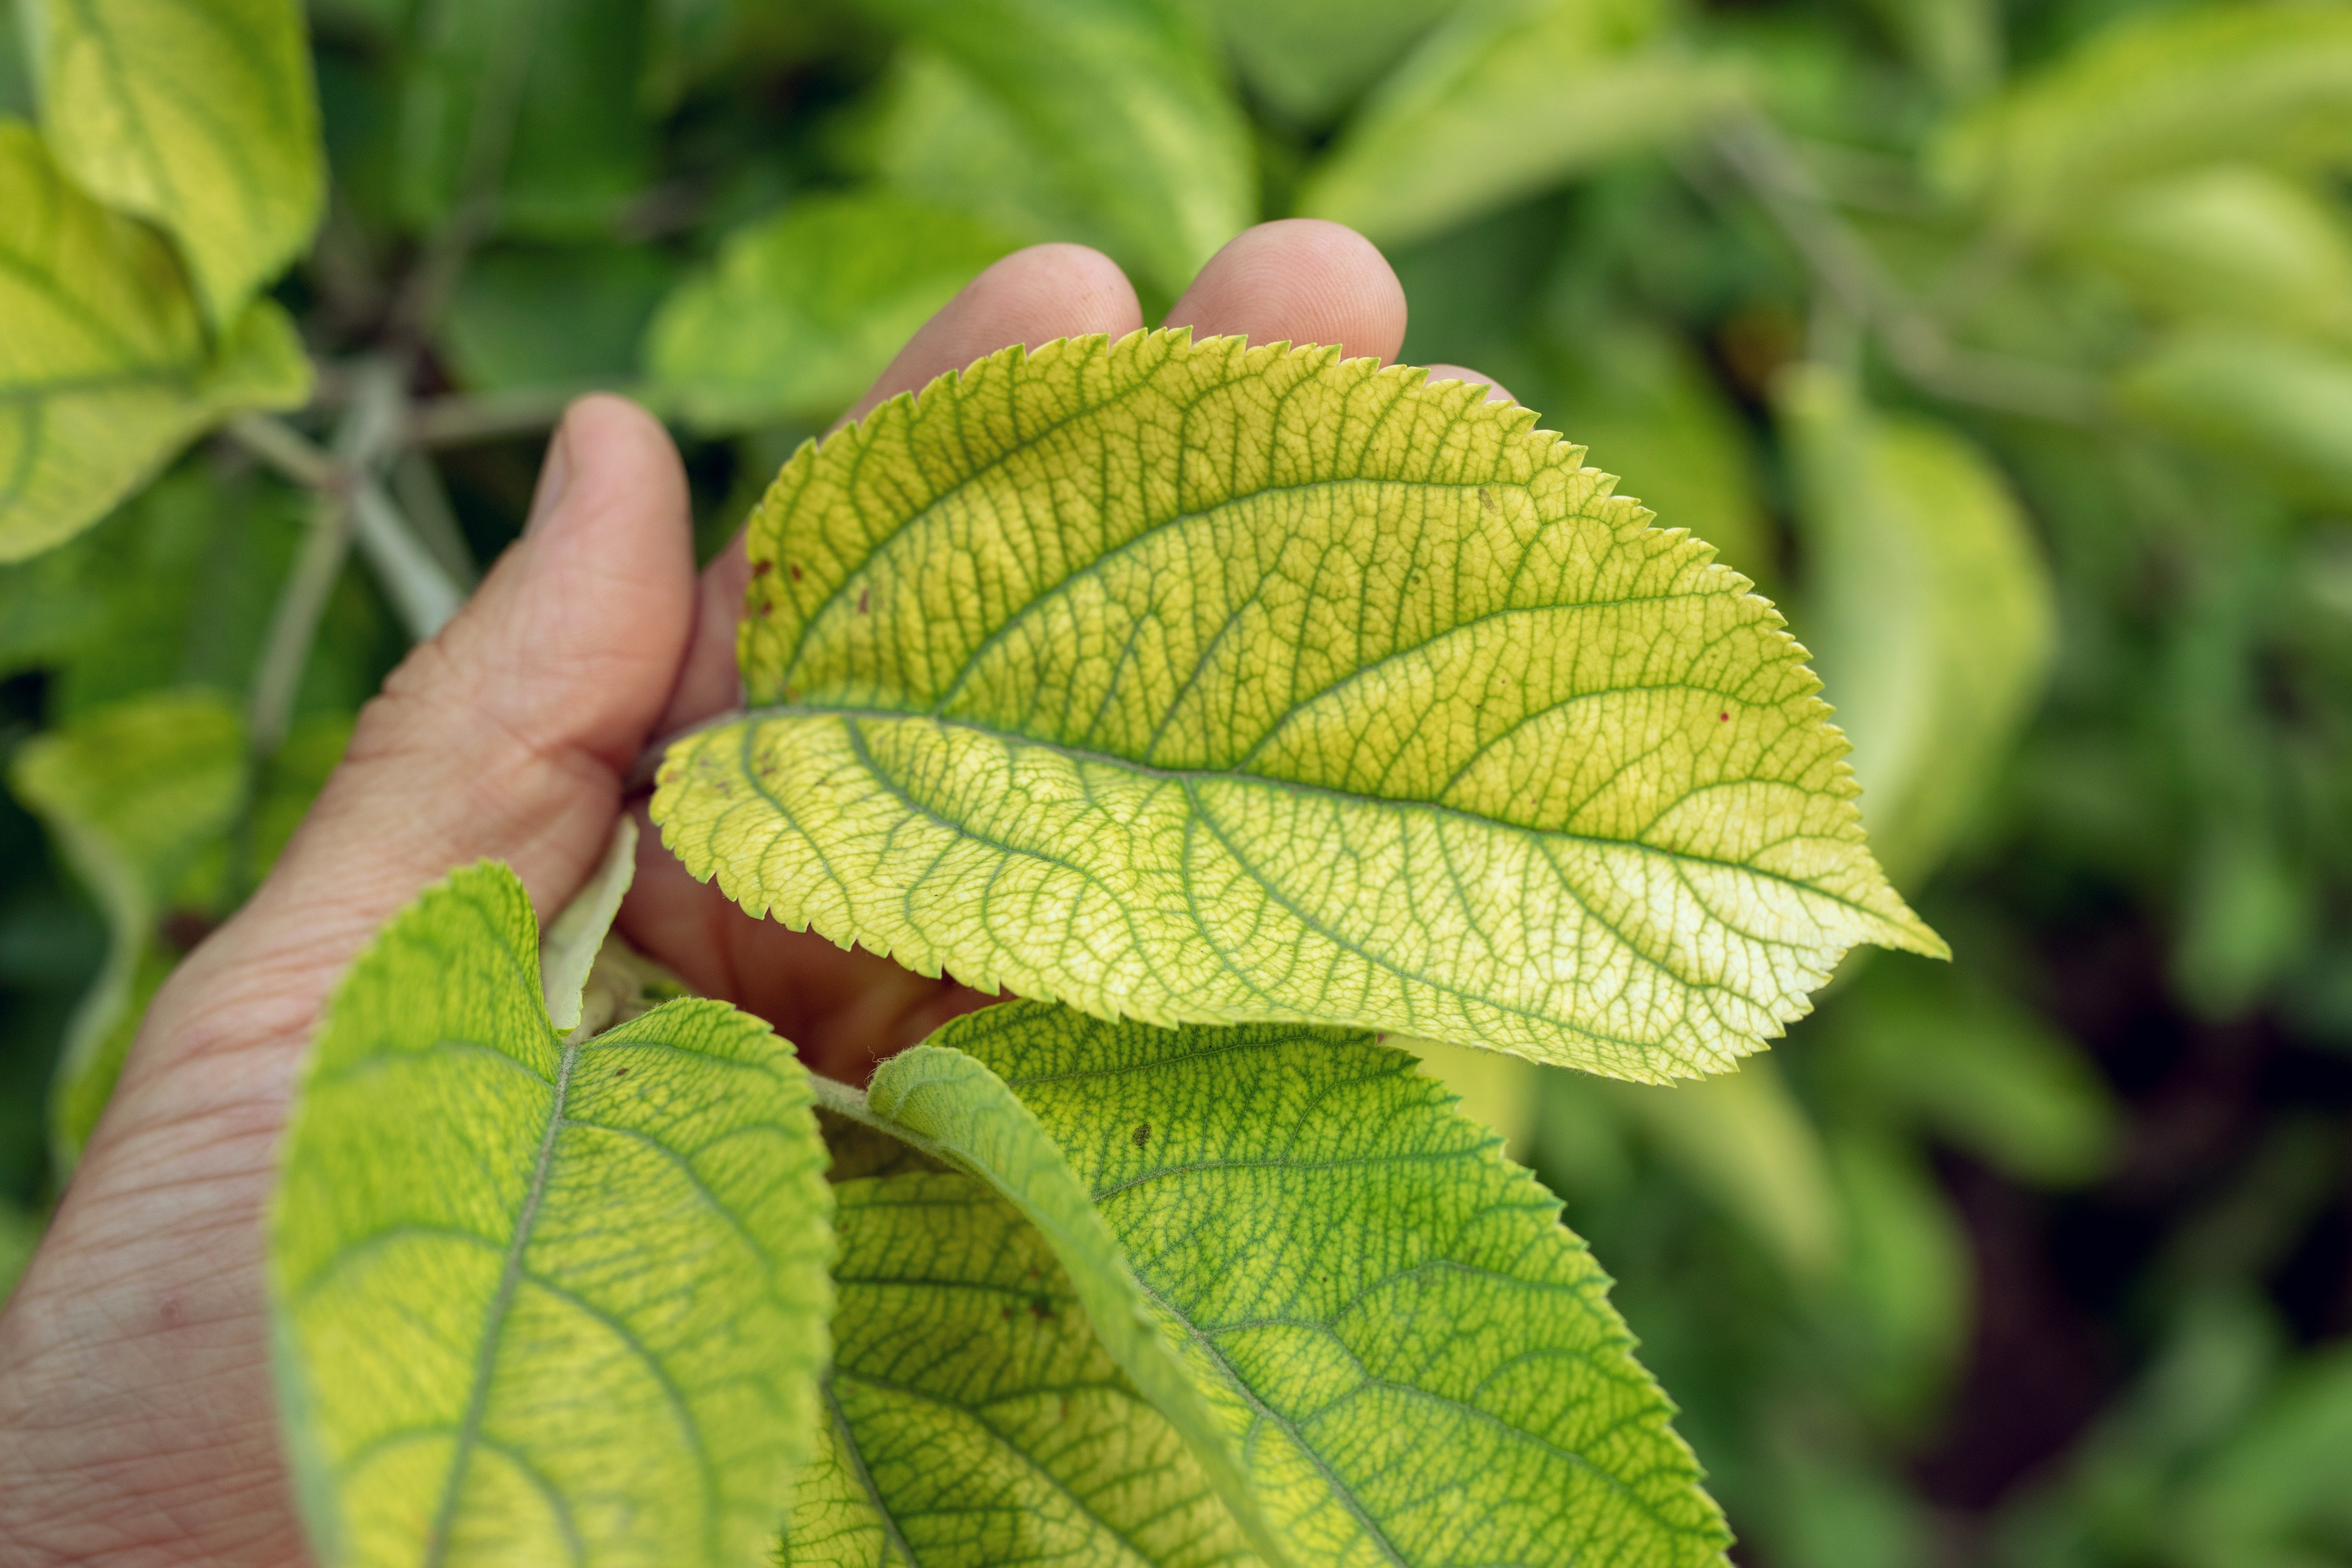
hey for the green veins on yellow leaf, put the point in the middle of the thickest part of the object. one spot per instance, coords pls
(1198, 682)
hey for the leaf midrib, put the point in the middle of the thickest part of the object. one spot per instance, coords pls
(510, 1282)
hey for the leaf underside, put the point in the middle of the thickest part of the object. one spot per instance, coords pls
(1417, 1363)
(1193, 682)
(541, 1302)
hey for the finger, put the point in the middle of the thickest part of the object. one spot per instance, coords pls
(1302, 281)
(1030, 296)
(1495, 391)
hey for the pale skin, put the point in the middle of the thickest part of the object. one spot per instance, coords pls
(137, 1423)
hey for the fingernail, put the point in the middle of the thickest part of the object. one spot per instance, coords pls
(555, 473)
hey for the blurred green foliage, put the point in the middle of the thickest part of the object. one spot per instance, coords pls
(2008, 345)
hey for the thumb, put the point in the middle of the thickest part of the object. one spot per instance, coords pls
(509, 736)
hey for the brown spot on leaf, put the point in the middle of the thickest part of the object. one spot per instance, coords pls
(1725, 717)
(864, 598)
(1041, 1311)
(620, 1072)
(1487, 499)
(1142, 1133)
(761, 568)
(795, 570)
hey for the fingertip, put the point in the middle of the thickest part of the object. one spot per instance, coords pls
(1301, 280)
(1495, 391)
(1031, 297)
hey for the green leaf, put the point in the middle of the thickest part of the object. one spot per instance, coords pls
(2265, 82)
(2275, 1493)
(1417, 1360)
(1930, 611)
(198, 114)
(131, 795)
(1210, 683)
(104, 372)
(530, 106)
(951, 1106)
(1508, 99)
(803, 309)
(549, 317)
(2285, 406)
(1307, 57)
(539, 1301)
(1124, 103)
(1908, 1272)
(2233, 243)
(973, 1418)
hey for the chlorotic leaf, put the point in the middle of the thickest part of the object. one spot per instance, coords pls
(1933, 617)
(1503, 101)
(132, 794)
(2270, 83)
(568, 953)
(1125, 103)
(972, 1417)
(2283, 404)
(1417, 1361)
(959, 1110)
(541, 1300)
(1209, 683)
(804, 309)
(197, 114)
(104, 369)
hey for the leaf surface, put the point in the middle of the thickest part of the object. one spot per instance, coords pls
(972, 1417)
(104, 370)
(1418, 1361)
(956, 1107)
(803, 309)
(1309, 56)
(2266, 82)
(1931, 611)
(541, 1301)
(1209, 683)
(1125, 103)
(197, 114)
(1503, 101)
(2283, 403)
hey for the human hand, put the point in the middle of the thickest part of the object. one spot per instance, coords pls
(137, 1420)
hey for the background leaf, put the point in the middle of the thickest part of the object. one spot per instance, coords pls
(1306, 57)
(548, 316)
(1928, 608)
(134, 794)
(198, 114)
(104, 371)
(2285, 404)
(541, 1300)
(803, 309)
(1215, 676)
(1508, 98)
(2270, 82)
(1326, 1263)
(1124, 102)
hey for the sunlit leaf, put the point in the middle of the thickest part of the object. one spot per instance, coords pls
(955, 1108)
(542, 1300)
(198, 114)
(1417, 1360)
(803, 309)
(1928, 609)
(1210, 683)
(2235, 243)
(2269, 83)
(1503, 101)
(131, 795)
(1306, 57)
(2282, 404)
(971, 1417)
(1125, 102)
(104, 370)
